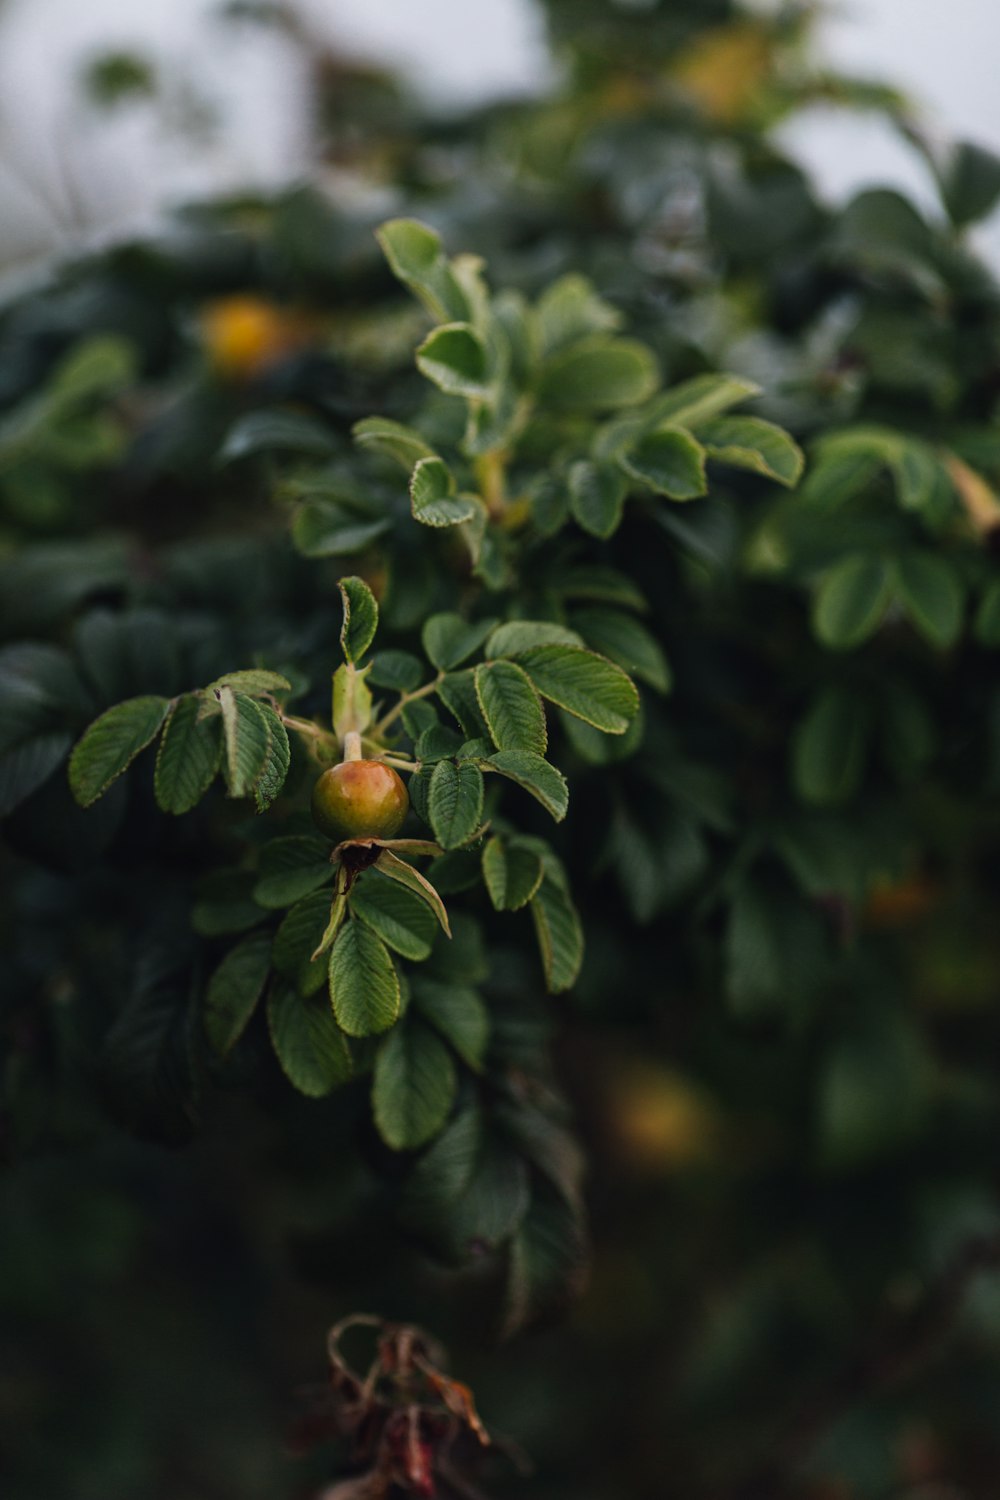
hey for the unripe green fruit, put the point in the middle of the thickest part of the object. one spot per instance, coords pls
(359, 799)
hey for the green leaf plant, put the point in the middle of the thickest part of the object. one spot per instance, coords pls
(352, 951)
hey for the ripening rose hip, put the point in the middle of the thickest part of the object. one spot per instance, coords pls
(359, 799)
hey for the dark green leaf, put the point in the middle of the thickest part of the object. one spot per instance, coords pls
(393, 440)
(459, 1014)
(448, 639)
(513, 872)
(750, 443)
(189, 756)
(511, 707)
(321, 528)
(247, 741)
(670, 462)
(454, 358)
(852, 600)
(535, 775)
(558, 929)
(414, 1086)
(626, 642)
(599, 374)
(399, 916)
(522, 635)
(397, 869)
(234, 989)
(265, 431)
(432, 496)
(279, 758)
(308, 1044)
(29, 765)
(455, 802)
(111, 744)
(291, 868)
(828, 748)
(364, 985)
(597, 497)
(584, 684)
(931, 593)
(360, 618)
(414, 252)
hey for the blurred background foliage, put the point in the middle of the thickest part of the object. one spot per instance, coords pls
(782, 1056)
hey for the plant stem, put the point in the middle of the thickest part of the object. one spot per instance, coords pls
(407, 698)
(491, 473)
(352, 745)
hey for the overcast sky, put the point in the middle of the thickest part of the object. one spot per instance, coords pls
(945, 55)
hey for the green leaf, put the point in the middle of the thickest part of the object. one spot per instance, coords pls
(519, 636)
(547, 1264)
(399, 670)
(852, 600)
(623, 640)
(584, 684)
(299, 937)
(291, 868)
(279, 758)
(225, 904)
(255, 683)
(535, 775)
(558, 929)
(29, 765)
(455, 802)
(414, 1086)
(432, 496)
(987, 626)
(597, 497)
(454, 358)
(265, 431)
(753, 953)
(442, 1176)
(511, 707)
(828, 748)
(415, 255)
(458, 1013)
(931, 593)
(392, 440)
(234, 990)
(188, 758)
(112, 743)
(457, 692)
(699, 400)
(875, 1091)
(449, 640)
(750, 443)
(401, 919)
(364, 985)
(360, 618)
(513, 873)
(308, 1044)
(969, 176)
(247, 741)
(397, 869)
(322, 528)
(570, 310)
(599, 374)
(670, 462)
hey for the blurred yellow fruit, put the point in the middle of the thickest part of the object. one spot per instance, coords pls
(245, 335)
(661, 1121)
(900, 903)
(723, 70)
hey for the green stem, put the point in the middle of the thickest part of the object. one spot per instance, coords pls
(390, 718)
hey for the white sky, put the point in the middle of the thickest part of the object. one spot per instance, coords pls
(64, 172)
